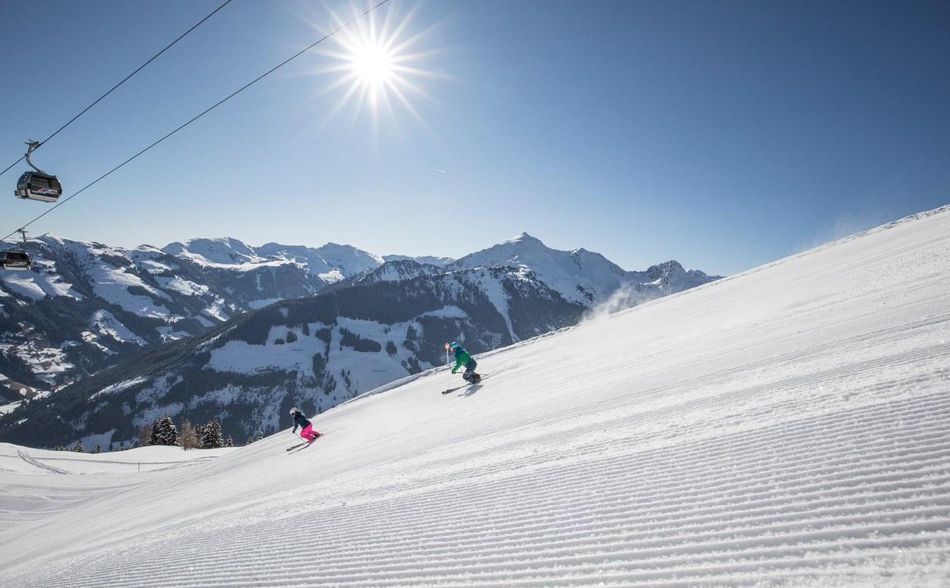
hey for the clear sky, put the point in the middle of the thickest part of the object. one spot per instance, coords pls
(721, 134)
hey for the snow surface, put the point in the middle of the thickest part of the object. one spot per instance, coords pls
(258, 304)
(218, 310)
(42, 462)
(10, 407)
(367, 370)
(41, 281)
(104, 323)
(119, 387)
(331, 262)
(787, 426)
(182, 286)
(112, 284)
(168, 333)
(215, 252)
(38, 285)
(45, 362)
(348, 259)
(425, 259)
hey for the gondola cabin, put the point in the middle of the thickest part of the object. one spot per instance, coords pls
(15, 260)
(39, 186)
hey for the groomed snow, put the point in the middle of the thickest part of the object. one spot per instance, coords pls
(788, 426)
(42, 462)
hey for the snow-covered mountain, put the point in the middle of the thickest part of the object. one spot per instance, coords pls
(206, 252)
(88, 305)
(583, 276)
(360, 332)
(395, 270)
(84, 305)
(788, 426)
(313, 352)
(425, 259)
(330, 263)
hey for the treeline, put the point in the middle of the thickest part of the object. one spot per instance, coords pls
(187, 436)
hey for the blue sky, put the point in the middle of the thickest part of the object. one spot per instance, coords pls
(720, 134)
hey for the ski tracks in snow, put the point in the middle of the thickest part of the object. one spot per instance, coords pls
(703, 495)
(803, 441)
(26, 457)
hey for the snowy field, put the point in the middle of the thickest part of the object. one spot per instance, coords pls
(787, 426)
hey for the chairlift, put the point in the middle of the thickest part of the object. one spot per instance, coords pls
(16, 259)
(37, 185)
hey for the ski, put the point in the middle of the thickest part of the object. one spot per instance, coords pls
(304, 445)
(466, 385)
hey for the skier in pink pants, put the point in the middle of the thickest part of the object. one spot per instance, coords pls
(306, 427)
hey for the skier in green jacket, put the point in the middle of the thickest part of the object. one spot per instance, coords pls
(463, 359)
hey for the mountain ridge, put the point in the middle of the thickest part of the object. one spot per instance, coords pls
(97, 306)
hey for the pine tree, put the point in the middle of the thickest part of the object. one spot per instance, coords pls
(229, 442)
(164, 432)
(211, 437)
(77, 447)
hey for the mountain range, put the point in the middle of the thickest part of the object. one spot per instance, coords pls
(108, 339)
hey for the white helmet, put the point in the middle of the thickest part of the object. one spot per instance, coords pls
(293, 411)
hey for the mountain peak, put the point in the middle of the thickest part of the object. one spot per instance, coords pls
(342, 255)
(667, 266)
(215, 250)
(525, 239)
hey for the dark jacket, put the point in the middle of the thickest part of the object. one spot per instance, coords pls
(300, 421)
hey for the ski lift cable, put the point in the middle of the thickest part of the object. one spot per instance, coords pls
(124, 80)
(202, 113)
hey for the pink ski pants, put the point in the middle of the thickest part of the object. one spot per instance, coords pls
(308, 433)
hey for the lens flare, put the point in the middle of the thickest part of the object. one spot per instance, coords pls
(379, 66)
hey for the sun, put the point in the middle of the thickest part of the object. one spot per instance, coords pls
(378, 66)
(373, 65)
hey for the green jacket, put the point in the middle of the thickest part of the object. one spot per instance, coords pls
(461, 358)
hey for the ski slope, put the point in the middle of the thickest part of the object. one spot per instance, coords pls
(787, 426)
